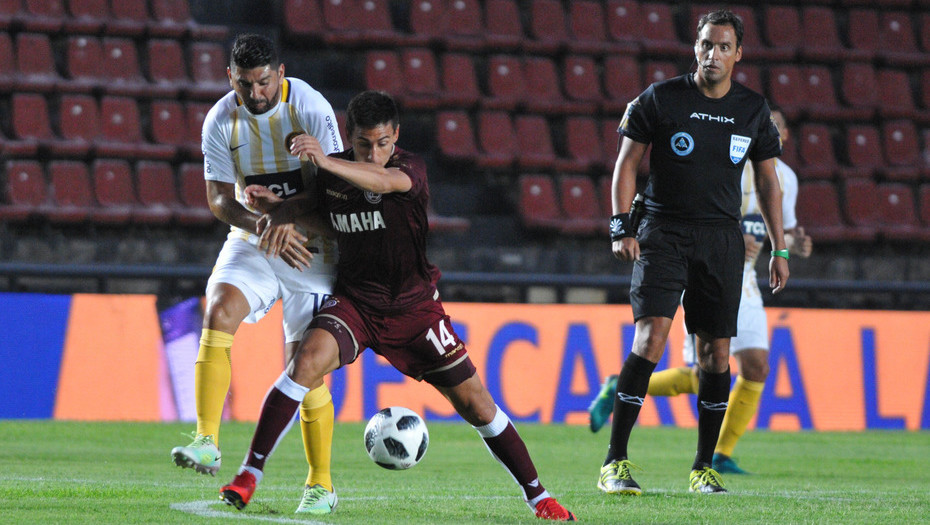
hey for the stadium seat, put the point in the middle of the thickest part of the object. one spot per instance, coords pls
(121, 132)
(658, 31)
(605, 190)
(167, 118)
(897, 44)
(861, 206)
(496, 139)
(79, 118)
(539, 204)
(429, 21)
(503, 28)
(815, 149)
(7, 62)
(818, 98)
(785, 89)
(383, 72)
(35, 63)
(863, 32)
(121, 70)
(863, 151)
(610, 141)
(43, 16)
(169, 19)
(821, 37)
(548, 28)
(896, 97)
(113, 190)
(25, 193)
(459, 82)
(534, 142)
(84, 57)
(583, 142)
(465, 32)
(789, 151)
(624, 25)
(781, 27)
(657, 71)
(455, 136)
(506, 84)
(303, 20)
(818, 211)
(902, 152)
(158, 194)
(10, 11)
(622, 83)
(87, 17)
(750, 76)
(166, 65)
(924, 32)
(543, 91)
(581, 80)
(192, 192)
(860, 85)
(359, 23)
(31, 117)
(195, 113)
(208, 64)
(588, 31)
(129, 18)
(898, 212)
(71, 195)
(924, 196)
(580, 205)
(420, 78)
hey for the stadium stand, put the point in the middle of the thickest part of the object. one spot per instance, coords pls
(497, 139)
(26, 191)
(157, 193)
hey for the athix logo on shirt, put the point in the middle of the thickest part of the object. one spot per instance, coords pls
(357, 222)
(713, 118)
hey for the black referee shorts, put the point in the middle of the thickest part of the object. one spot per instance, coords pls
(703, 262)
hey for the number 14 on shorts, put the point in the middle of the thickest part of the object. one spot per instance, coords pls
(445, 341)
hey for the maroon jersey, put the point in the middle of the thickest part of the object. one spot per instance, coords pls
(382, 238)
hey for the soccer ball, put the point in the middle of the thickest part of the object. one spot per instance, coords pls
(396, 438)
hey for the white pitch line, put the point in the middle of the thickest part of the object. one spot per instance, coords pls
(202, 509)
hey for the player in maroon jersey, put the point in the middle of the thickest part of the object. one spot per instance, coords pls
(375, 195)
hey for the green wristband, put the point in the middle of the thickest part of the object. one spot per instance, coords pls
(781, 253)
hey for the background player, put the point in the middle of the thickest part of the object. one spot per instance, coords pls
(689, 248)
(750, 347)
(244, 143)
(376, 197)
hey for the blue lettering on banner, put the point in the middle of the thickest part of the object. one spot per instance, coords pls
(508, 334)
(663, 408)
(783, 354)
(925, 416)
(462, 331)
(337, 388)
(577, 346)
(373, 374)
(870, 386)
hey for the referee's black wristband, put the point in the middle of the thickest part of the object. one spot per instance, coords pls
(620, 227)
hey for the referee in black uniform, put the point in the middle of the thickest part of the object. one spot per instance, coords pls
(688, 249)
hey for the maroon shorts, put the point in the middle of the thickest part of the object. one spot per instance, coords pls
(420, 342)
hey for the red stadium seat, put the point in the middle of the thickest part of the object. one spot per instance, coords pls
(26, 192)
(622, 82)
(588, 31)
(897, 44)
(166, 118)
(455, 135)
(896, 98)
(924, 197)
(120, 119)
(506, 84)
(548, 29)
(863, 151)
(429, 19)
(192, 192)
(7, 62)
(208, 64)
(303, 19)
(924, 32)
(359, 23)
(749, 76)
(583, 142)
(195, 113)
(580, 205)
(166, 64)
(420, 78)
(605, 188)
(158, 194)
(815, 148)
(898, 213)
(43, 16)
(35, 62)
(539, 205)
(459, 83)
(543, 91)
(467, 31)
(383, 72)
(785, 89)
(610, 140)
(79, 118)
(534, 142)
(129, 18)
(71, 195)
(902, 152)
(581, 79)
(861, 206)
(84, 57)
(659, 71)
(120, 68)
(821, 37)
(86, 16)
(659, 36)
(863, 31)
(624, 23)
(496, 139)
(10, 12)
(30, 117)
(503, 29)
(781, 26)
(818, 210)
(860, 85)
(818, 98)
(170, 19)
(113, 190)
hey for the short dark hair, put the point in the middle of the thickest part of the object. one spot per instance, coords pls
(250, 51)
(368, 109)
(723, 17)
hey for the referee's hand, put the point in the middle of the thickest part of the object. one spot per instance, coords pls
(778, 274)
(626, 249)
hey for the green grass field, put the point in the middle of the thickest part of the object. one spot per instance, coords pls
(101, 473)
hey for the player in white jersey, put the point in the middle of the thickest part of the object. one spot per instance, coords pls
(750, 347)
(245, 141)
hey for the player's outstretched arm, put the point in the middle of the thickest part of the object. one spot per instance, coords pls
(363, 175)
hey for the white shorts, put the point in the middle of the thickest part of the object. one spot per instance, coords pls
(263, 280)
(752, 327)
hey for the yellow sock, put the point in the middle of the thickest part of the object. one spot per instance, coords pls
(674, 381)
(316, 428)
(212, 373)
(744, 402)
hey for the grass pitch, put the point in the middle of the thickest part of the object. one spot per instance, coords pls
(101, 473)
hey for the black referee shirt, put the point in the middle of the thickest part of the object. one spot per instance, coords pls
(699, 146)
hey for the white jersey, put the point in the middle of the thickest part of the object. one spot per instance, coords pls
(242, 149)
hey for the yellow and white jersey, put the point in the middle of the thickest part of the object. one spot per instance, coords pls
(242, 149)
(752, 215)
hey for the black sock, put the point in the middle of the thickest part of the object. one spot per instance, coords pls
(631, 390)
(713, 394)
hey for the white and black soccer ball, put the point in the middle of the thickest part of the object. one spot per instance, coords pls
(396, 438)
